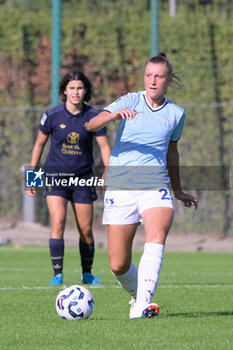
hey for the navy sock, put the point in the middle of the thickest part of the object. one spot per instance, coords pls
(56, 247)
(87, 251)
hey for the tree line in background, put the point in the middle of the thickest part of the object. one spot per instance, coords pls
(110, 41)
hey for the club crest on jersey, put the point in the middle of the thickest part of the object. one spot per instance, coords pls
(167, 121)
(43, 119)
(73, 137)
(62, 126)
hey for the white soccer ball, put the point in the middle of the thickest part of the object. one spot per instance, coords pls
(74, 303)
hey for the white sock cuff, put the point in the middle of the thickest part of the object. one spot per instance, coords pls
(154, 248)
(131, 270)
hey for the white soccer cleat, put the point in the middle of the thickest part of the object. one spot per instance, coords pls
(143, 311)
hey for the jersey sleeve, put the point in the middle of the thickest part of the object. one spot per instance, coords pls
(125, 101)
(101, 132)
(45, 124)
(176, 134)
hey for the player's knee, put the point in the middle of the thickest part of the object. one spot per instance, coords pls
(158, 237)
(119, 268)
(58, 227)
(86, 234)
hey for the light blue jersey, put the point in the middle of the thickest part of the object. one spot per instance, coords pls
(138, 159)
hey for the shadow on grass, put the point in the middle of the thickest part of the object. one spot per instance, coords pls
(200, 314)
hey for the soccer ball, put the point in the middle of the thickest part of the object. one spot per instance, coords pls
(74, 303)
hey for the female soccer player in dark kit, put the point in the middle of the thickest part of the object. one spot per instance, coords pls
(70, 158)
(144, 167)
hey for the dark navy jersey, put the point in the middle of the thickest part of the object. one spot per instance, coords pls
(71, 144)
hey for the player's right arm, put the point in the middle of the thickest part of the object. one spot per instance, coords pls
(103, 118)
(36, 155)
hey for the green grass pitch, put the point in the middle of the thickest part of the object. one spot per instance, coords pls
(195, 295)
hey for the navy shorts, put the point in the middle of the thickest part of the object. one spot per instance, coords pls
(71, 189)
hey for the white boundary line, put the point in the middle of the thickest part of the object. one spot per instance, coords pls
(172, 286)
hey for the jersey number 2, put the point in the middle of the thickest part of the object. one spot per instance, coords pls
(166, 194)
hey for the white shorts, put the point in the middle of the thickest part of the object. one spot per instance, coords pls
(125, 206)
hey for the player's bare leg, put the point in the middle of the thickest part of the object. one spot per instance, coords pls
(57, 207)
(120, 240)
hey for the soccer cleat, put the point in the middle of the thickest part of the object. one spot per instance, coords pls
(151, 311)
(88, 278)
(58, 279)
(143, 311)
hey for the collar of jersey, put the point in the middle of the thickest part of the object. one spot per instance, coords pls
(154, 109)
(69, 114)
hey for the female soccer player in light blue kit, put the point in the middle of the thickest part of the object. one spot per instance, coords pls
(138, 181)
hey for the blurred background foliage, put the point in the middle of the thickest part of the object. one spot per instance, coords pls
(110, 41)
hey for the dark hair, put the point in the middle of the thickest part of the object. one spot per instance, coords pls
(162, 58)
(75, 75)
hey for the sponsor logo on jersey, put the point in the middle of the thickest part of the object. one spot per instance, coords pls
(62, 126)
(73, 137)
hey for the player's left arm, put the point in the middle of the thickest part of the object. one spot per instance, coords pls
(174, 173)
(105, 151)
